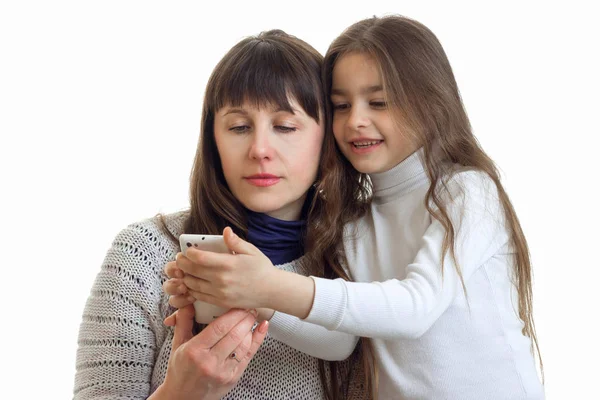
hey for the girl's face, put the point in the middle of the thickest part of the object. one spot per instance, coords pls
(362, 122)
(270, 157)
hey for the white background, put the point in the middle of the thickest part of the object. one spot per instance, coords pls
(99, 118)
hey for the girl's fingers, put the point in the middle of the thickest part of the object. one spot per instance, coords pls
(180, 301)
(238, 245)
(174, 286)
(172, 271)
(194, 284)
(197, 259)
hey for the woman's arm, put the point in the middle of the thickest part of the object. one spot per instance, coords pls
(207, 366)
(122, 333)
(121, 328)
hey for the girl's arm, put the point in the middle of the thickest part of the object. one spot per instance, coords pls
(303, 336)
(407, 308)
(314, 340)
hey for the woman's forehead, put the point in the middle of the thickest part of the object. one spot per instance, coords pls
(252, 106)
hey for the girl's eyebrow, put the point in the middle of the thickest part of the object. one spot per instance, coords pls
(364, 90)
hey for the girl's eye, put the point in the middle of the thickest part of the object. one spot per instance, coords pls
(240, 129)
(378, 104)
(285, 129)
(341, 106)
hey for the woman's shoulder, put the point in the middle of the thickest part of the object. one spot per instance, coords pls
(154, 237)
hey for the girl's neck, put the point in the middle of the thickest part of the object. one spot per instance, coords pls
(401, 179)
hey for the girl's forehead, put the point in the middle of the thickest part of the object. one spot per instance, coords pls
(356, 72)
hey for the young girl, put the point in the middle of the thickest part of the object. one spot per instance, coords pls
(441, 263)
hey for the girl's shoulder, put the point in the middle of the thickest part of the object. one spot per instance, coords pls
(467, 183)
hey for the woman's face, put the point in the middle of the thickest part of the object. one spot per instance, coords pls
(270, 157)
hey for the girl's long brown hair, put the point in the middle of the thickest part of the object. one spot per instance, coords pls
(267, 70)
(419, 83)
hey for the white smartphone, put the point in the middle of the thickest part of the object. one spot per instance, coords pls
(205, 312)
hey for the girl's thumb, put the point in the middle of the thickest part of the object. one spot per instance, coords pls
(236, 244)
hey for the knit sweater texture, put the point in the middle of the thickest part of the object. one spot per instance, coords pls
(124, 347)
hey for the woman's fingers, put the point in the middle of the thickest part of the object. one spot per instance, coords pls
(184, 323)
(171, 319)
(220, 328)
(235, 337)
(258, 337)
(241, 353)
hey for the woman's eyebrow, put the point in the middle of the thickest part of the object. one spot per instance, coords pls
(291, 110)
(236, 111)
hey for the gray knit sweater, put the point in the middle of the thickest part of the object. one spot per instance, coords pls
(124, 347)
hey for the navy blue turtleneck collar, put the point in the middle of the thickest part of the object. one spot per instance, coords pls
(281, 241)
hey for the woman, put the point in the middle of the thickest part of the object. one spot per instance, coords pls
(261, 152)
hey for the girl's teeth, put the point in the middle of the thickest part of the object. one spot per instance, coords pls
(364, 144)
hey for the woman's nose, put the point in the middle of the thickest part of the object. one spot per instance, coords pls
(261, 147)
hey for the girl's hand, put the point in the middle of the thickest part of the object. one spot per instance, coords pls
(176, 289)
(180, 298)
(209, 364)
(240, 280)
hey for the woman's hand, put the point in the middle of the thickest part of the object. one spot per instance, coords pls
(208, 365)
(239, 280)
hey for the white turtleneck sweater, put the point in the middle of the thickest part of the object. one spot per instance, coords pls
(430, 341)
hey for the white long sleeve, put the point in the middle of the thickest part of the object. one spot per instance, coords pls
(314, 340)
(416, 302)
(431, 342)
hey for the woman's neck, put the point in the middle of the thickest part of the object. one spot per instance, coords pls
(281, 241)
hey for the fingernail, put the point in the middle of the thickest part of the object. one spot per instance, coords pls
(178, 273)
(254, 312)
(263, 327)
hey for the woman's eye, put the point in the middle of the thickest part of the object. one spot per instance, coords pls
(378, 104)
(285, 129)
(341, 106)
(239, 128)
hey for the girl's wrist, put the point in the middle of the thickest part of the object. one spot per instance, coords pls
(290, 293)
